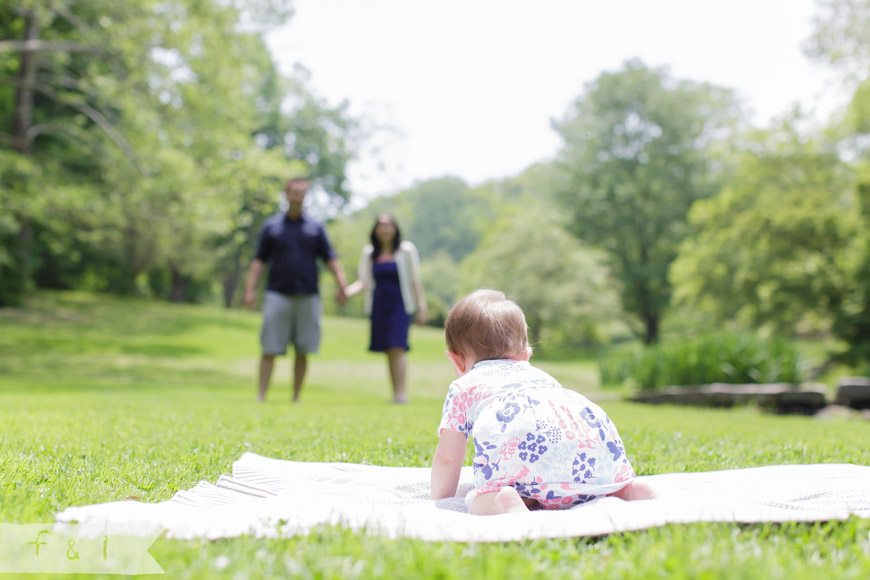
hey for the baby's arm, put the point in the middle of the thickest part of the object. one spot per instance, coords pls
(447, 463)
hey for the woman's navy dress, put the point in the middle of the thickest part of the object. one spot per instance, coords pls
(390, 322)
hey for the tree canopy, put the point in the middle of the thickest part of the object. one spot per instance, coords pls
(145, 141)
(638, 152)
(775, 242)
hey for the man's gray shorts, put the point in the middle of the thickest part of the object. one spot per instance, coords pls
(290, 319)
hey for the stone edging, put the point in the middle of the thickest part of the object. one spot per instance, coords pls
(806, 399)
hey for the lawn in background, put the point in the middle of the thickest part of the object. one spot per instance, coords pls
(104, 398)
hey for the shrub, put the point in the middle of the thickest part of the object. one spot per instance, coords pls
(720, 358)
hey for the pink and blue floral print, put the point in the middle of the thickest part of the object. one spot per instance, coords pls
(550, 443)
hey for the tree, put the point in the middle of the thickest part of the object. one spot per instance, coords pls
(139, 150)
(563, 288)
(442, 278)
(445, 214)
(37, 89)
(638, 153)
(841, 38)
(850, 303)
(773, 246)
(305, 128)
(840, 32)
(786, 243)
(18, 196)
(443, 217)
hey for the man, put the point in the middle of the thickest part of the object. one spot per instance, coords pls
(291, 243)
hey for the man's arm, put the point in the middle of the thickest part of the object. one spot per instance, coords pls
(334, 266)
(254, 273)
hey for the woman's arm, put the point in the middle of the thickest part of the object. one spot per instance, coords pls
(353, 288)
(363, 273)
(422, 307)
(417, 283)
(447, 463)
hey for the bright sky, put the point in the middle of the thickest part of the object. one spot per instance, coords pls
(472, 85)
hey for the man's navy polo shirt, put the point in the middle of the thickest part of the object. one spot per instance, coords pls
(292, 247)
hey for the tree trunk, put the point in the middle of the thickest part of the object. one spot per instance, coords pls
(231, 280)
(180, 282)
(652, 328)
(21, 122)
(23, 117)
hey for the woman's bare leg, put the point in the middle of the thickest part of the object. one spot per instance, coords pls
(398, 372)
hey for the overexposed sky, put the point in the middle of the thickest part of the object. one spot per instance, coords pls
(471, 85)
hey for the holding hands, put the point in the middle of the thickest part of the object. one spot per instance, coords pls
(341, 296)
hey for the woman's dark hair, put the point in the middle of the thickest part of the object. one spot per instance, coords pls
(376, 243)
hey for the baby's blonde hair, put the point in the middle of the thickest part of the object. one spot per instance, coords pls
(487, 325)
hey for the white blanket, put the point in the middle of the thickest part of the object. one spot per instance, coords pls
(270, 497)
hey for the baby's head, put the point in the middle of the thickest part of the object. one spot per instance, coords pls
(486, 325)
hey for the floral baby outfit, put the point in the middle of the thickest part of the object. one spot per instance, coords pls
(550, 443)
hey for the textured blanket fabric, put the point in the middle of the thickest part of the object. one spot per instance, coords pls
(271, 497)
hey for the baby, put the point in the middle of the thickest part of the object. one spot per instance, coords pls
(536, 443)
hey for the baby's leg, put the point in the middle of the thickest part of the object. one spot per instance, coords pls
(503, 501)
(635, 490)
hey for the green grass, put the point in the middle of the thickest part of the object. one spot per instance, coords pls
(104, 398)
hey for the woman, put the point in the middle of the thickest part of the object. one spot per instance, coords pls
(389, 272)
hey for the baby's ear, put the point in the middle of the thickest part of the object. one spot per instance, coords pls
(528, 354)
(458, 362)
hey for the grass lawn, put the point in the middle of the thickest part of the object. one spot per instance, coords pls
(103, 398)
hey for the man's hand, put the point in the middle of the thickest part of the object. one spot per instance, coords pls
(341, 296)
(250, 299)
(334, 266)
(251, 283)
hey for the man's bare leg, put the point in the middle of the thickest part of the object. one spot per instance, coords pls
(299, 368)
(267, 363)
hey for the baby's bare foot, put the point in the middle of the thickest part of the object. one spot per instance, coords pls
(635, 490)
(507, 500)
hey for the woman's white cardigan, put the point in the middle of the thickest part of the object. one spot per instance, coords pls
(408, 265)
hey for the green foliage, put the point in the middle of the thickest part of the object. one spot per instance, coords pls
(18, 202)
(849, 302)
(840, 39)
(840, 32)
(713, 358)
(443, 217)
(562, 287)
(637, 154)
(784, 245)
(442, 278)
(441, 214)
(525, 251)
(161, 148)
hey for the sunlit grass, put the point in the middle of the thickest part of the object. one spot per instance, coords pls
(102, 399)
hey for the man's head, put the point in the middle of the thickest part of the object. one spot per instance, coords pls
(486, 325)
(295, 191)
